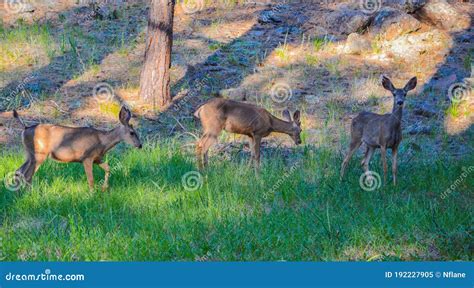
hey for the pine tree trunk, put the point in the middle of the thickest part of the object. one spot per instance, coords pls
(155, 76)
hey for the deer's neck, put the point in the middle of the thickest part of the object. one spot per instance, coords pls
(111, 139)
(281, 126)
(397, 113)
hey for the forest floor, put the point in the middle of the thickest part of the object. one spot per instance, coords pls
(64, 64)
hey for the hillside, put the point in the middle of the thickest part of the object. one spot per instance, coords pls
(74, 63)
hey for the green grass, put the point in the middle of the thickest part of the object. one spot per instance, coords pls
(312, 60)
(454, 110)
(296, 209)
(319, 43)
(282, 53)
(22, 43)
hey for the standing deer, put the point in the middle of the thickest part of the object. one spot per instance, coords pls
(380, 131)
(242, 118)
(70, 144)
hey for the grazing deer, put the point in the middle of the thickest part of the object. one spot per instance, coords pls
(68, 144)
(242, 118)
(380, 131)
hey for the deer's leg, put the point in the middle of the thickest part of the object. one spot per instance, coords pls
(106, 168)
(88, 169)
(35, 162)
(199, 153)
(25, 173)
(368, 156)
(383, 152)
(257, 142)
(365, 155)
(353, 147)
(26, 169)
(211, 140)
(252, 149)
(31, 166)
(203, 148)
(39, 159)
(24, 166)
(394, 164)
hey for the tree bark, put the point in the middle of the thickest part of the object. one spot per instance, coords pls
(155, 76)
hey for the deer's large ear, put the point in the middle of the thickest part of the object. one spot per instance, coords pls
(296, 117)
(287, 115)
(411, 84)
(387, 83)
(125, 116)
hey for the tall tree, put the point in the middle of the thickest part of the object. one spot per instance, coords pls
(155, 76)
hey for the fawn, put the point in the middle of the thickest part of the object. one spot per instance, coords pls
(71, 144)
(380, 131)
(241, 118)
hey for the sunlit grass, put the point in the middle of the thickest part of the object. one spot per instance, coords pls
(454, 110)
(319, 43)
(282, 52)
(25, 44)
(296, 209)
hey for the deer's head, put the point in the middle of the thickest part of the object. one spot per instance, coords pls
(398, 94)
(127, 132)
(295, 132)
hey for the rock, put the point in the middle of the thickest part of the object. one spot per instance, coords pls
(425, 110)
(356, 44)
(234, 94)
(269, 16)
(410, 46)
(420, 129)
(465, 38)
(409, 6)
(393, 23)
(346, 20)
(75, 104)
(289, 30)
(442, 14)
(204, 22)
(217, 68)
(442, 79)
(256, 33)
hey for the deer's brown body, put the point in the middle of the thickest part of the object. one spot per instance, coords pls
(69, 144)
(380, 131)
(241, 118)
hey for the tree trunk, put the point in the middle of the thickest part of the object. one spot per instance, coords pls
(155, 76)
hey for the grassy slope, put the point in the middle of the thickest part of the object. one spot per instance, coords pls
(148, 215)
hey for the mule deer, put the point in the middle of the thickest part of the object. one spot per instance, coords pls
(242, 118)
(69, 144)
(380, 131)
